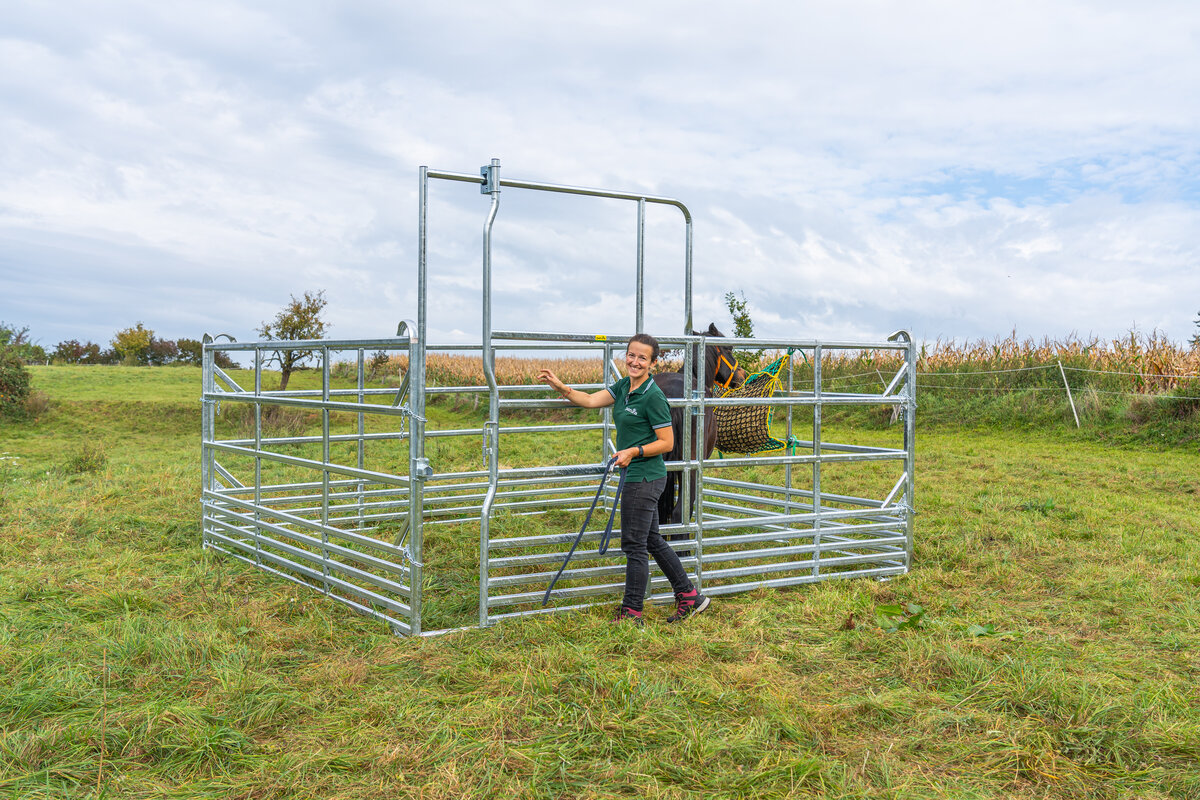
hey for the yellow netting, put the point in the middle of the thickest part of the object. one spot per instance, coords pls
(747, 429)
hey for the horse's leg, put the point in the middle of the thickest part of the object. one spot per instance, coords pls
(668, 501)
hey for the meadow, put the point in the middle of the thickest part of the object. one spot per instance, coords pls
(1046, 643)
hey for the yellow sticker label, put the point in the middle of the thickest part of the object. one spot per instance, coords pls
(600, 337)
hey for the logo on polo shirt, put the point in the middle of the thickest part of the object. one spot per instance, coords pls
(631, 410)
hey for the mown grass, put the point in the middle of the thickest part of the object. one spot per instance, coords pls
(1058, 653)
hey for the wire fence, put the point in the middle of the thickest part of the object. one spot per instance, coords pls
(1147, 382)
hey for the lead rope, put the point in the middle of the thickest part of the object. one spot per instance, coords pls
(607, 530)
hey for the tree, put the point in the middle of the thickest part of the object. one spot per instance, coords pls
(17, 342)
(299, 319)
(161, 351)
(191, 351)
(132, 344)
(1196, 338)
(743, 326)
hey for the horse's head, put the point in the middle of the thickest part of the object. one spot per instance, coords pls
(720, 365)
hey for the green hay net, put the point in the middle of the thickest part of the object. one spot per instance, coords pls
(747, 429)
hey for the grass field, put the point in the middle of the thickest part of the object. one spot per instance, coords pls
(1056, 652)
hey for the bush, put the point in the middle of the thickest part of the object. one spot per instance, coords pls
(90, 458)
(14, 384)
(1183, 402)
(72, 351)
(160, 352)
(18, 342)
(36, 404)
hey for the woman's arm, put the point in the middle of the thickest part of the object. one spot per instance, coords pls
(660, 446)
(577, 397)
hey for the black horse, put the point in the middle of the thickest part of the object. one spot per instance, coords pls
(719, 368)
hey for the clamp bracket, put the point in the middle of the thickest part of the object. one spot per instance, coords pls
(491, 177)
(422, 469)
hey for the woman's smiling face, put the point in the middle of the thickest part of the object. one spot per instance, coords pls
(638, 359)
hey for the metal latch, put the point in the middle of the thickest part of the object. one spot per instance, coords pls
(422, 469)
(491, 177)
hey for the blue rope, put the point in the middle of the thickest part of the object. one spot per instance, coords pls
(607, 530)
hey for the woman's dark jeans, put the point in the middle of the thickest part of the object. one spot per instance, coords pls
(640, 538)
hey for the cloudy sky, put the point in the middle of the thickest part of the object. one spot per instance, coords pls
(960, 169)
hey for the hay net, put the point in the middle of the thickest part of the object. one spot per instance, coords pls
(747, 429)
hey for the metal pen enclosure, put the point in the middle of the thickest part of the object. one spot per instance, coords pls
(345, 511)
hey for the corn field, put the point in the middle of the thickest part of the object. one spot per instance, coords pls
(1135, 363)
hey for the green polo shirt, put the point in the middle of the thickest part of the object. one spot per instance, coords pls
(637, 416)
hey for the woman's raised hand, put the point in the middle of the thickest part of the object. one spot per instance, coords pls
(547, 377)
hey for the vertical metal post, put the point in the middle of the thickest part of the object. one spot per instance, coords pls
(689, 382)
(699, 393)
(416, 427)
(606, 417)
(787, 468)
(687, 279)
(816, 471)
(639, 319)
(491, 431)
(910, 449)
(325, 461)
(207, 432)
(362, 443)
(258, 361)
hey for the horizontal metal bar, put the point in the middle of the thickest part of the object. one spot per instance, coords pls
(315, 558)
(341, 437)
(780, 552)
(823, 400)
(208, 497)
(568, 575)
(300, 402)
(248, 529)
(539, 559)
(273, 345)
(546, 540)
(715, 521)
(520, 387)
(399, 625)
(333, 580)
(561, 189)
(798, 580)
(712, 542)
(376, 477)
(570, 592)
(803, 493)
(878, 454)
(344, 483)
(586, 426)
(672, 342)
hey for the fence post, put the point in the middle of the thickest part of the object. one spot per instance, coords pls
(1070, 400)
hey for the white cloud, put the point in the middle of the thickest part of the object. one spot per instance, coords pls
(954, 168)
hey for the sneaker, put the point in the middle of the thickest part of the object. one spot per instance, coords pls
(626, 613)
(688, 604)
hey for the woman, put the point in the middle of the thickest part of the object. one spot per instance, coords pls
(644, 433)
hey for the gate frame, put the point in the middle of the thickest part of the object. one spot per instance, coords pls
(216, 503)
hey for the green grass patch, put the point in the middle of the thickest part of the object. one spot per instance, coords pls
(1047, 643)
